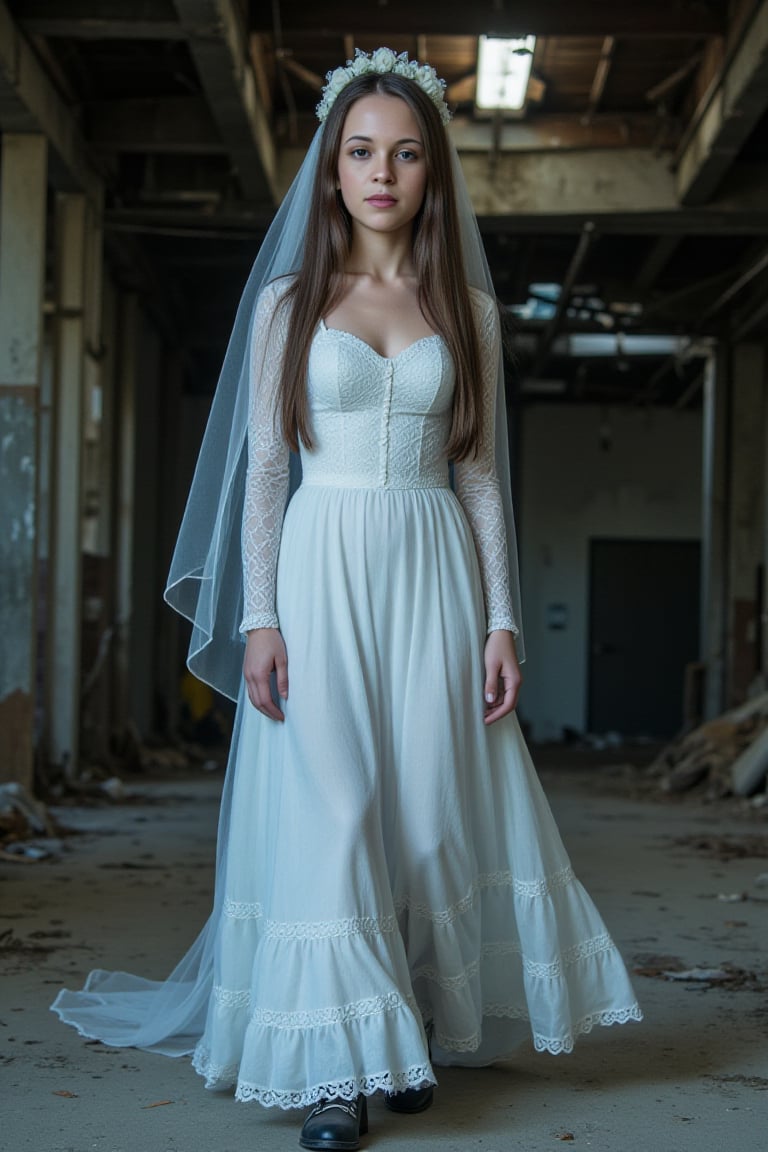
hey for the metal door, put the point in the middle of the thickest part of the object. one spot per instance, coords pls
(643, 629)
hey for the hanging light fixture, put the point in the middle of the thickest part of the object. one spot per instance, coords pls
(503, 71)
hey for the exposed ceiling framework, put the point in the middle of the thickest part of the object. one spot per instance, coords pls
(636, 180)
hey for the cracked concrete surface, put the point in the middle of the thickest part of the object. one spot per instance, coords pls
(133, 890)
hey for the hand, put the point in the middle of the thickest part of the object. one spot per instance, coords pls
(502, 676)
(265, 653)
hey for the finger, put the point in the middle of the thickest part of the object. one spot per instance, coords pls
(503, 709)
(269, 709)
(511, 694)
(507, 701)
(491, 689)
(262, 698)
(281, 669)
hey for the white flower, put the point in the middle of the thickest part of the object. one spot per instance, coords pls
(381, 61)
(338, 81)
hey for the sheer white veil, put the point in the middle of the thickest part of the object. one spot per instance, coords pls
(205, 585)
(205, 579)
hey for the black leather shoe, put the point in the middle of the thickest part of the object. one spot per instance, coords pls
(335, 1124)
(411, 1100)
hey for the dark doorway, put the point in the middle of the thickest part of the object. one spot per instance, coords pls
(643, 630)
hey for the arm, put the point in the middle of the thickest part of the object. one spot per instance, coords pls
(266, 491)
(477, 487)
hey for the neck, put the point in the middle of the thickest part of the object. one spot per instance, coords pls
(383, 256)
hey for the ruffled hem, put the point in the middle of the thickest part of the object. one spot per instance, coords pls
(565, 1045)
(218, 1078)
(467, 1047)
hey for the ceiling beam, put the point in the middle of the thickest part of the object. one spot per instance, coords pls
(747, 318)
(218, 43)
(252, 220)
(601, 77)
(729, 111)
(656, 18)
(171, 124)
(595, 182)
(101, 19)
(629, 192)
(755, 264)
(30, 103)
(655, 262)
(586, 239)
(556, 133)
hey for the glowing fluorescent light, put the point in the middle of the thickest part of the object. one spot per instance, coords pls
(503, 69)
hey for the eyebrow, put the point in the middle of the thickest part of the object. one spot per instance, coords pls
(369, 140)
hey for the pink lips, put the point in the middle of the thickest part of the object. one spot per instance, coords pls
(381, 201)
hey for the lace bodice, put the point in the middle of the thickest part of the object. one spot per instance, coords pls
(378, 422)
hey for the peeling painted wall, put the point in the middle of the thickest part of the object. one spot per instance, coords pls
(17, 542)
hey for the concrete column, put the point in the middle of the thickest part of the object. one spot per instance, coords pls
(745, 513)
(171, 506)
(125, 456)
(95, 717)
(65, 616)
(149, 496)
(94, 510)
(714, 535)
(763, 621)
(107, 461)
(22, 265)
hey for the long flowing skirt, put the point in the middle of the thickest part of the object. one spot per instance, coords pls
(389, 867)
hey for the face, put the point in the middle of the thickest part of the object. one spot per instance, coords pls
(382, 169)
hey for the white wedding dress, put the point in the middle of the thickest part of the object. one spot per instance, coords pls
(388, 863)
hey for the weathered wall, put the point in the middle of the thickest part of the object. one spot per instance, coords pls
(647, 485)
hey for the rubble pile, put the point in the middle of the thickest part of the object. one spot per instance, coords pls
(28, 831)
(723, 757)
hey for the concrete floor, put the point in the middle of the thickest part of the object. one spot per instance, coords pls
(693, 1076)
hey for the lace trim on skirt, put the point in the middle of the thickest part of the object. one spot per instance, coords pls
(371, 925)
(555, 1046)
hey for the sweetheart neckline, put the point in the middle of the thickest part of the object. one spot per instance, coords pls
(359, 340)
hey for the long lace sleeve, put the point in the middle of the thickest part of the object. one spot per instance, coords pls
(266, 482)
(477, 484)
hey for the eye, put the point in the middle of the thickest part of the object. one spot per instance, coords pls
(407, 154)
(359, 152)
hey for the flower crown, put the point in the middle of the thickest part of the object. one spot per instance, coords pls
(378, 62)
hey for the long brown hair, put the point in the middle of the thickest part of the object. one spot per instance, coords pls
(443, 293)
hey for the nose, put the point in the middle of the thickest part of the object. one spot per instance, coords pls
(384, 173)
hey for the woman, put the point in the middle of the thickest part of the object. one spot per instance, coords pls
(392, 892)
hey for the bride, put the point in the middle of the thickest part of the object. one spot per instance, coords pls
(392, 892)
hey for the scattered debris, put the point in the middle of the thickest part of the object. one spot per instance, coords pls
(732, 897)
(28, 831)
(114, 788)
(15, 799)
(728, 754)
(10, 942)
(725, 848)
(699, 975)
(749, 770)
(564, 1136)
(157, 1104)
(655, 966)
(23, 852)
(65, 1092)
(758, 1082)
(726, 976)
